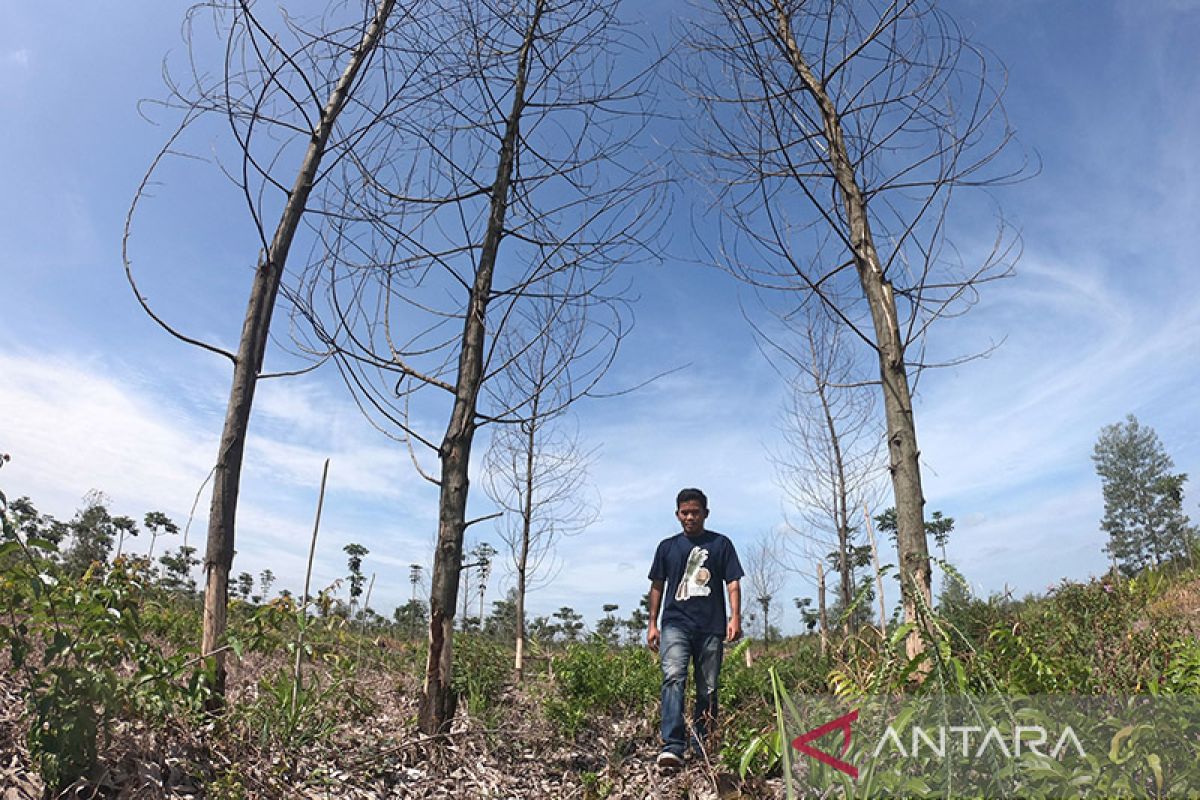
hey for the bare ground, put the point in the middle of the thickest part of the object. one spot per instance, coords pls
(371, 749)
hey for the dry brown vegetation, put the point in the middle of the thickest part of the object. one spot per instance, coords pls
(369, 747)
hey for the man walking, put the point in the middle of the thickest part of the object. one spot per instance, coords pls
(690, 568)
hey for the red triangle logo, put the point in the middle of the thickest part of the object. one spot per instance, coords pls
(842, 723)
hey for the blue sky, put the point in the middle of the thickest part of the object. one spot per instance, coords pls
(1098, 322)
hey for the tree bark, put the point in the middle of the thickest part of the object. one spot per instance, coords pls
(437, 698)
(218, 559)
(915, 578)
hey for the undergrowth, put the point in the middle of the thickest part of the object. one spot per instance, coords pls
(116, 643)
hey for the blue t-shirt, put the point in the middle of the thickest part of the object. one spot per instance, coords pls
(695, 569)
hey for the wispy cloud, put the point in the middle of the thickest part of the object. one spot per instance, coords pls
(20, 58)
(1100, 321)
(1085, 355)
(73, 424)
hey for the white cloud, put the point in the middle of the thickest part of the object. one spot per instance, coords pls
(19, 58)
(72, 426)
(1032, 542)
(1086, 354)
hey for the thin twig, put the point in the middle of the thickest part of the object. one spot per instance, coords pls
(312, 549)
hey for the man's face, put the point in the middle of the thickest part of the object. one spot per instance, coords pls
(691, 515)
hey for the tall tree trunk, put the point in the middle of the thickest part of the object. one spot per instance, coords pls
(437, 697)
(766, 609)
(519, 657)
(915, 579)
(822, 618)
(526, 529)
(218, 557)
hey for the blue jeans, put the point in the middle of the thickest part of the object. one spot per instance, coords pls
(678, 648)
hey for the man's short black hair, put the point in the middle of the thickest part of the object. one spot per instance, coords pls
(687, 495)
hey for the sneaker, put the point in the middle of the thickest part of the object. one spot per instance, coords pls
(669, 760)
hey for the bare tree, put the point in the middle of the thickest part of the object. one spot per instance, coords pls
(829, 457)
(298, 96)
(837, 134)
(517, 182)
(535, 469)
(764, 576)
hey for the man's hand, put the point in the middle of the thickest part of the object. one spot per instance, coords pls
(656, 593)
(733, 630)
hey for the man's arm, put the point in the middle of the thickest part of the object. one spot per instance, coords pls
(656, 593)
(733, 630)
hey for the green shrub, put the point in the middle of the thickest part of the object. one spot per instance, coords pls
(749, 742)
(277, 724)
(79, 642)
(171, 617)
(1182, 674)
(593, 680)
(798, 665)
(1086, 638)
(481, 671)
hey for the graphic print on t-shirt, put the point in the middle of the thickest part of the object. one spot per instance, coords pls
(695, 576)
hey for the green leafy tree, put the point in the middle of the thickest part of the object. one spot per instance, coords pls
(638, 618)
(607, 627)
(937, 527)
(541, 629)
(245, 585)
(501, 624)
(808, 615)
(954, 597)
(1143, 498)
(412, 617)
(857, 612)
(33, 525)
(125, 526)
(179, 565)
(570, 623)
(356, 552)
(266, 579)
(338, 609)
(483, 554)
(370, 619)
(159, 524)
(23, 521)
(92, 531)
